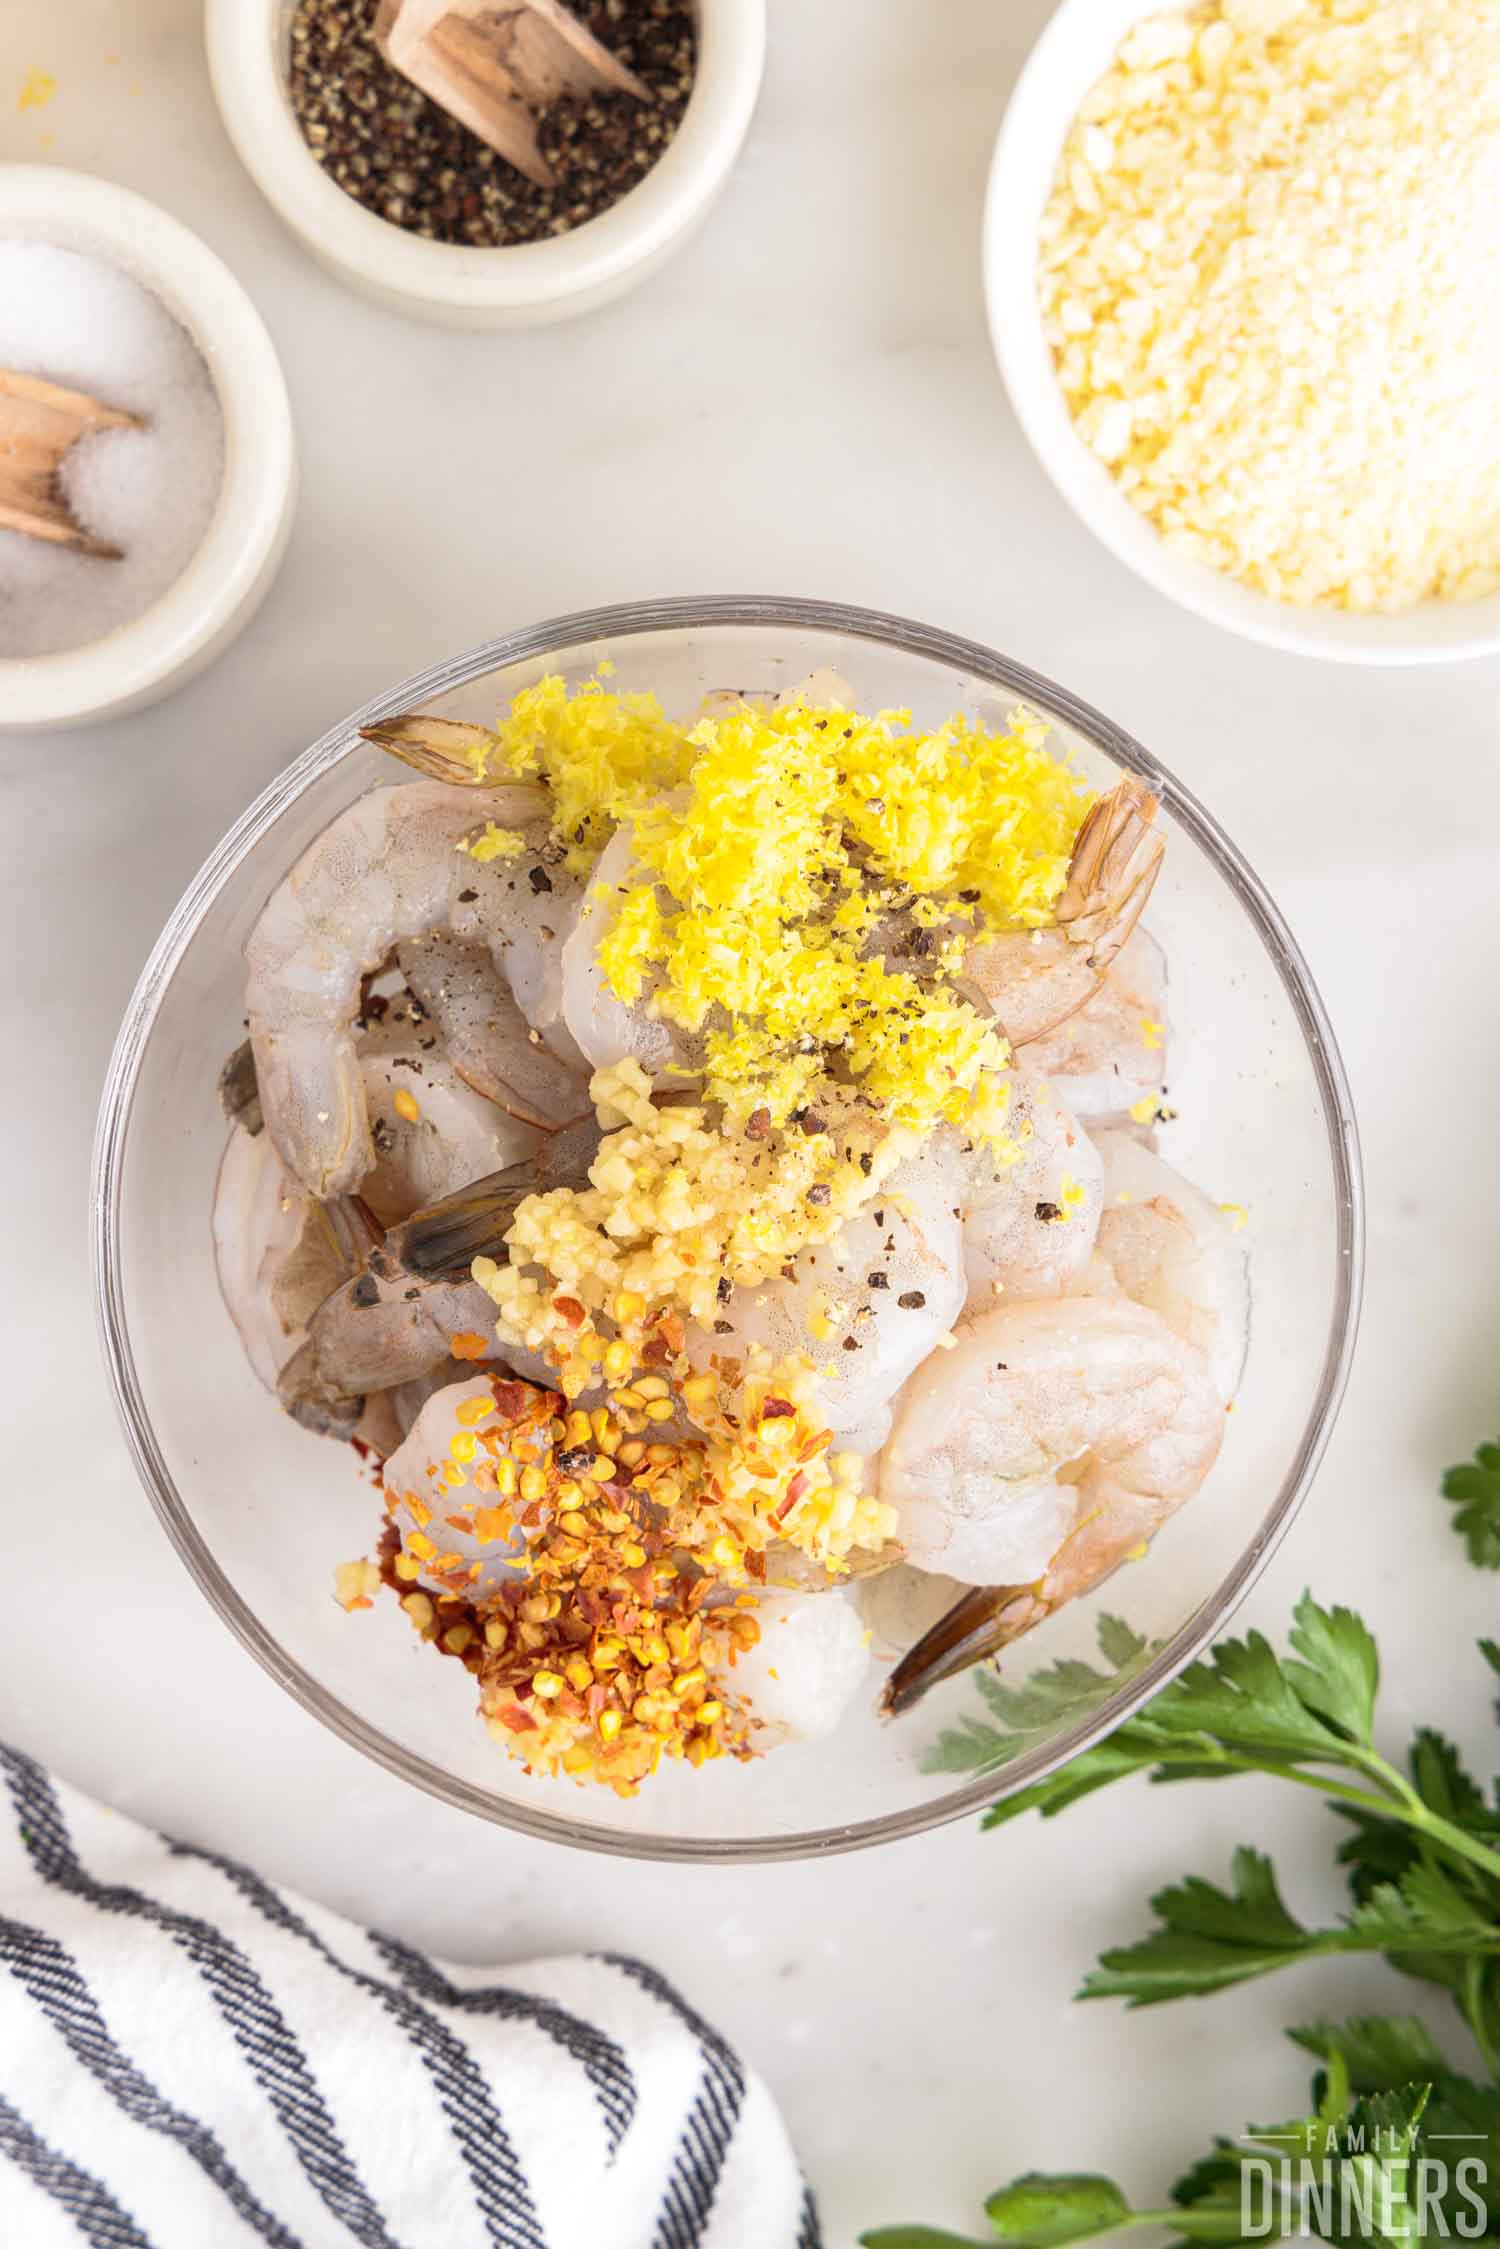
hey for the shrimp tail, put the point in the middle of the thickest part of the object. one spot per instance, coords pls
(444, 1241)
(446, 1238)
(442, 749)
(1117, 855)
(239, 1091)
(985, 1620)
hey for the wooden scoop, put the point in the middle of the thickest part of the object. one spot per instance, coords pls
(39, 423)
(494, 64)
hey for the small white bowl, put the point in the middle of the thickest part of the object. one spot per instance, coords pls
(231, 572)
(1072, 53)
(248, 49)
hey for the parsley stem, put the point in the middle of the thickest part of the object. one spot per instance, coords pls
(1398, 1801)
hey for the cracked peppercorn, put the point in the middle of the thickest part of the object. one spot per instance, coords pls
(381, 139)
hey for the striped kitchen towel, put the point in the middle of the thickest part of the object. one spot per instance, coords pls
(193, 2059)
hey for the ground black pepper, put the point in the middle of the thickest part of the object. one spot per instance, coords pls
(397, 153)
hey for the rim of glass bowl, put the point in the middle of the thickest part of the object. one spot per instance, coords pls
(621, 621)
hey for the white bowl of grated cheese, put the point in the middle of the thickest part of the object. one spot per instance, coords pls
(1076, 49)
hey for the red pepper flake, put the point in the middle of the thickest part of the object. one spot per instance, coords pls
(468, 1345)
(775, 1409)
(570, 1308)
(518, 1720)
(794, 1491)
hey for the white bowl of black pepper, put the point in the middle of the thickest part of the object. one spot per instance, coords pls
(622, 119)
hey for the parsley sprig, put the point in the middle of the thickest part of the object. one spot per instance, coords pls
(1476, 1487)
(1027, 1716)
(1421, 1855)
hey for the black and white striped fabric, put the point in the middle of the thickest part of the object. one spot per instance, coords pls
(192, 2059)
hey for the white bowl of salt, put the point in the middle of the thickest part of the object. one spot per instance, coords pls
(102, 293)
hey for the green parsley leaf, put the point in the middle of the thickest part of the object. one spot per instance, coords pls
(1462, 2118)
(1246, 1698)
(1038, 2211)
(1208, 1938)
(1339, 1675)
(1242, 1710)
(1043, 2210)
(1375, 2147)
(1036, 1711)
(1476, 1487)
(1377, 2050)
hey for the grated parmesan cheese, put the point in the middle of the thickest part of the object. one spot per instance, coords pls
(1268, 279)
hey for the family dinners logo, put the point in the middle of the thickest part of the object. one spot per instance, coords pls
(1370, 2181)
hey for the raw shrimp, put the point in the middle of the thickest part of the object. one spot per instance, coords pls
(280, 1253)
(432, 1133)
(441, 1483)
(524, 910)
(485, 1034)
(608, 1029)
(954, 1227)
(1169, 1247)
(399, 1318)
(1053, 1438)
(805, 1670)
(385, 871)
(532, 902)
(877, 1296)
(1034, 979)
(1028, 1226)
(1111, 1055)
(277, 1252)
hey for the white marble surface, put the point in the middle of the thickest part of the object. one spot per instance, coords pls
(803, 402)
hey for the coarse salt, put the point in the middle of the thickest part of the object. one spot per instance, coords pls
(81, 322)
(1268, 278)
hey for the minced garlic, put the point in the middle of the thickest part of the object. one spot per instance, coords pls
(1267, 275)
(600, 1280)
(677, 1201)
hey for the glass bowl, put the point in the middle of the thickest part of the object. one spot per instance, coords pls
(261, 1513)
